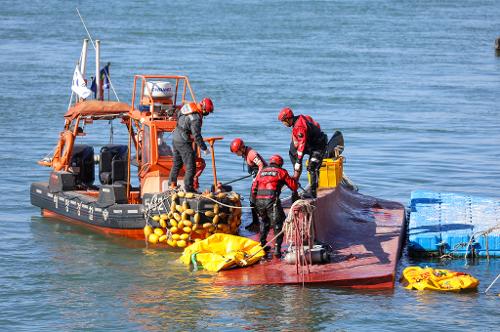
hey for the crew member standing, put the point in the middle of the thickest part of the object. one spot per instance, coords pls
(266, 190)
(188, 129)
(307, 138)
(254, 162)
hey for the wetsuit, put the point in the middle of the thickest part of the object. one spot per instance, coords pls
(188, 129)
(266, 190)
(255, 163)
(307, 138)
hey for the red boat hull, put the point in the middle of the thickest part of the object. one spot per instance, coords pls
(366, 234)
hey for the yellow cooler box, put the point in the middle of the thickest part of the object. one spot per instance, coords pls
(330, 173)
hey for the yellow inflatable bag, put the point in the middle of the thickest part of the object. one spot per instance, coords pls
(436, 279)
(222, 251)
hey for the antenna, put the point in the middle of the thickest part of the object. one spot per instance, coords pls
(83, 22)
(93, 44)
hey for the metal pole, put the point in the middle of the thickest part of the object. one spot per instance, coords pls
(236, 180)
(214, 170)
(97, 69)
(128, 157)
(92, 41)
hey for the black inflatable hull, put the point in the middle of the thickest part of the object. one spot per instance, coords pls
(120, 219)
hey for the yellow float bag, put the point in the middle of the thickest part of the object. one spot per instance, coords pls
(437, 279)
(223, 251)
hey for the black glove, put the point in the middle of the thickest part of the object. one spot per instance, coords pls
(253, 171)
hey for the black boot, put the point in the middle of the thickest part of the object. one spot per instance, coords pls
(307, 194)
(314, 190)
(264, 230)
(267, 252)
(277, 251)
(314, 173)
(254, 226)
(190, 190)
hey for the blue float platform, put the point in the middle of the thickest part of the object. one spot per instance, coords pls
(448, 223)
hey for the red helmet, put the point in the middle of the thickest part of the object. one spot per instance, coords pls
(237, 144)
(207, 106)
(276, 160)
(285, 114)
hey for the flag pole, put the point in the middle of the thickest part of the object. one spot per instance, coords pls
(97, 69)
(93, 45)
(83, 57)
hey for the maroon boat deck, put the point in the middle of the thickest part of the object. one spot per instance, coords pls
(366, 234)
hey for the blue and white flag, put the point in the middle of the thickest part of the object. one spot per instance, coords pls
(105, 81)
(105, 77)
(79, 86)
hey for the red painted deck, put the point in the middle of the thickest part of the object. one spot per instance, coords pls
(365, 232)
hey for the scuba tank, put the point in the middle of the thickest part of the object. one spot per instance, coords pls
(320, 254)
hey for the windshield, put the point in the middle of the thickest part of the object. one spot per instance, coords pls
(164, 149)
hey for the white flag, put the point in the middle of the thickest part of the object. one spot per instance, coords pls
(79, 86)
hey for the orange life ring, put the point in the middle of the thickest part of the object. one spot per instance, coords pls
(63, 150)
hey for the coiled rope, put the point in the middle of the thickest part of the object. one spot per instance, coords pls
(299, 232)
(298, 211)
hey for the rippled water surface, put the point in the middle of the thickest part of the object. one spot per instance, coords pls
(413, 85)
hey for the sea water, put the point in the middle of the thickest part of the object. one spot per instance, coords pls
(413, 85)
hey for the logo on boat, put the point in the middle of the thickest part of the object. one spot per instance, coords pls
(164, 90)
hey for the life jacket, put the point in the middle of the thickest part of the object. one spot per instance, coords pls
(270, 181)
(191, 108)
(307, 135)
(188, 113)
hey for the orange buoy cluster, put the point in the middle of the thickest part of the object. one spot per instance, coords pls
(188, 221)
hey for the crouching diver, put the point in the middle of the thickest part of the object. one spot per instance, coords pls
(307, 138)
(255, 163)
(266, 190)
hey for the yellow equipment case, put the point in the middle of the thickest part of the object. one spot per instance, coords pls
(330, 173)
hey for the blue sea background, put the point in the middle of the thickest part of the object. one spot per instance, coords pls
(413, 85)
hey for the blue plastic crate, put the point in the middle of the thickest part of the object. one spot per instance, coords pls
(448, 223)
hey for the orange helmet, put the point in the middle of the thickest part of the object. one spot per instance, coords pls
(276, 160)
(207, 106)
(285, 114)
(237, 144)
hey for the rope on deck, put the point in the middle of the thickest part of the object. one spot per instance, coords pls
(299, 232)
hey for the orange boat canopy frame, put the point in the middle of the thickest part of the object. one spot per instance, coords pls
(96, 109)
(147, 119)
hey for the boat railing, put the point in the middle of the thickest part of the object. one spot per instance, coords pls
(182, 90)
